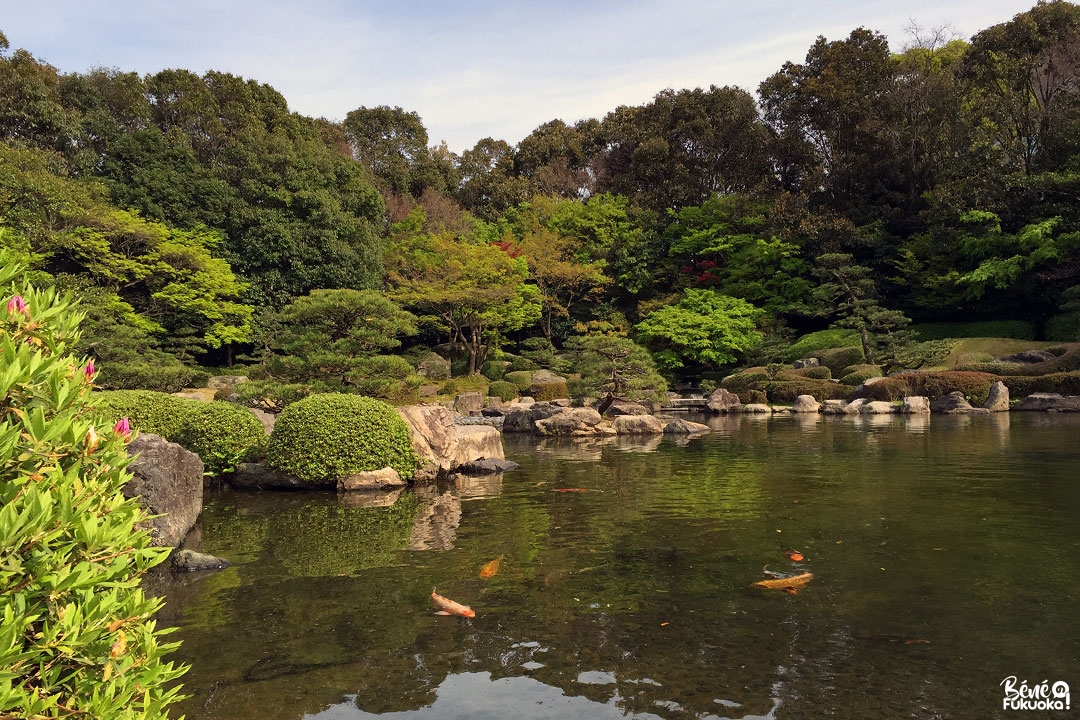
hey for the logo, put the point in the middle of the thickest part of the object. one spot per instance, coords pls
(1041, 696)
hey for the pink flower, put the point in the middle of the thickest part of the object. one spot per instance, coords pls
(122, 427)
(17, 305)
(89, 371)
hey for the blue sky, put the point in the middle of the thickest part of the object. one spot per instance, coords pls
(471, 69)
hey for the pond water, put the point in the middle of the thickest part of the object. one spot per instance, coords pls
(944, 553)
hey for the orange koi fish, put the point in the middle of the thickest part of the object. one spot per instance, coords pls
(794, 582)
(794, 555)
(491, 568)
(571, 490)
(449, 607)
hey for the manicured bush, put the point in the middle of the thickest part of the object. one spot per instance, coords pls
(1065, 383)
(812, 344)
(744, 379)
(167, 378)
(544, 392)
(927, 354)
(503, 390)
(520, 364)
(147, 410)
(854, 375)
(222, 434)
(521, 378)
(77, 636)
(974, 385)
(815, 373)
(836, 359)
(1066, 362)
(753, 396)
(494, 369)
(788, 390)
(324, 438)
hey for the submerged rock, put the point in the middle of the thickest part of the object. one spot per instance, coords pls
(678, 426)
(487, 466)
(191, 561)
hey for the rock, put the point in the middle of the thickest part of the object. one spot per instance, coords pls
(428, 391)
(955, 404)
(877, 407)
(524, 400)
(466, 403)
(169, 483)
(1050, 402)
(806, 363)
(523, 418)
(678, 426)
(861, 390)
(256, 476)
(780, 409)
(998, 399)
(638, 425)
(433, 366)
(756, 409)
(543, 377)
(834, 407)
(574, 421)
(200, 394)
(626, 407)
(1030, 357)
(493, 412)
(915, 405)
(226, 382)
(442, 445)
(386, 478)
(191, 561)
(562, 402)
(806, 404)
(487, 466)
(723, 401)
(267, 419)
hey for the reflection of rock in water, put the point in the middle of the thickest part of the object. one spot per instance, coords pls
(435, 527)
(478, 487)
(372, 499)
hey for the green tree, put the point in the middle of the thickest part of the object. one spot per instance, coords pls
(561, 280)
(615, 367)
(703, 327)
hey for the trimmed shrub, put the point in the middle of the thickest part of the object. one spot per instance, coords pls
(811, 344)
(144, 376)
(324, 438)
(78, 637)
(222, 434)
(1065, 383)
(974, 385)
(147, 410)
(272, 394)
(814, 373)
(753, 396)
(521, 378)
(494, 369)
(854, 375)
(503, 390)
(924, 354)
(787, 390)
(1066, 362)
(1016, 329)
(544, 392)
(837, 359)
(519, 364)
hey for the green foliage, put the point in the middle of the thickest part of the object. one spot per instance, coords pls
(494, 369)
(326, 437)
(1063, 383)
(273, 394)
(520, 364)
(1017, 329)
(77, 636)
(857, 374)
(814, 373)
(924, 354)
(521, 378)
(836, 359)
(546, 392)
(787, 391)
(222, 434)
(809, 345)
(1066, 324)
(616, 366)
(147, 410)
(539, 351)
(703, 327)
(974, 385)
(503, 390)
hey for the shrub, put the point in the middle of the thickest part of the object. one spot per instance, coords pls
(815, 373)
(974, 385)
(78, 637)
(521, 378)
(1066, 362)
(147, 410)
(144, 376)
(788, 390)
(1065, 383)
(222, 434)
(858, 374)
(520, 364)
(503, 390)
(744, 379)
(810, 345)
(1016, 329)
(544, 392)
(924, 354)
(273, 394)
(326, 437)
(494, 369)
(753, 396)
(837, 359)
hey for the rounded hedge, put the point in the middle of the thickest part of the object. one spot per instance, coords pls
(222, 434)
(147, 410)
(326, 437)
(503, 390)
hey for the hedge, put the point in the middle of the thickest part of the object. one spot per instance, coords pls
(222, 434)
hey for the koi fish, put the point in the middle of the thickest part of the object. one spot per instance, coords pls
(449, 607)
(571, 490)
(794, 555)
(784, 583)
(491, 568)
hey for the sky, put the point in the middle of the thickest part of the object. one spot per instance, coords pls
(472, 68)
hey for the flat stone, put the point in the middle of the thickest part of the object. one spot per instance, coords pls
(487, 466)
(386, 478)
(637, 425)
(877, 407)
(756, 409)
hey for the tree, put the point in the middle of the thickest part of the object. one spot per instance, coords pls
(391, 143)
(703, 327)
(562, 281)
(615, 367)
(476, 291)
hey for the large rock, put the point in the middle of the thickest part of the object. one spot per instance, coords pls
(723, 401)
(169, 483)
(915, 405)
(267, 419)
(756, 409)
(256, 476)
(805, 404)
(442, 445)
(522, 417)
(638, 425)
(572, 421)
(487, 466)
(811, 362)
(386, 478)
(837, 407)
(877, 407)
(226, 382)
(626, 407)
(861, 391)
(955, 404)
(467, 403)
(1050, 402)
(679, 426)
(998, 399)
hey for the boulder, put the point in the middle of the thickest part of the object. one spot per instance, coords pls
(806, 363)
(756, 409)
(780, 409)
(267, 419)
(877, 407)
(467, 403)
(487, 466)
(626, 407)
(522, 417)
(200, 394)
(861, 390)
(191, 561)
(386, 478)
(834, 407)
(678, 426)
(1050, 402)
(433, 366)
(442, 445)
(915, 405)
(256, 476)
(806, 404)
(638, 425)
(853, 407)
(955, 404)
(476, 441)
(574, 421)
(169, 483)
(998, 399)
(723, 401)
(226, 382)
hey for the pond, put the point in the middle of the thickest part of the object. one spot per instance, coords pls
(943, 551)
